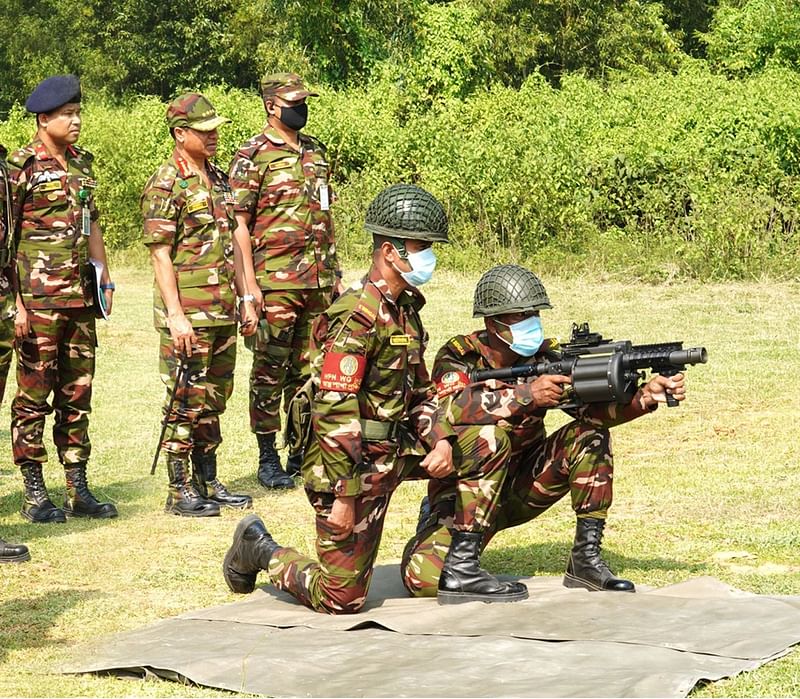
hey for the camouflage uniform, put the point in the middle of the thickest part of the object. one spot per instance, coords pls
(8, 305)
(575, 459)
(368, 333)
(287, 195)
(59, 354)
(179, 210)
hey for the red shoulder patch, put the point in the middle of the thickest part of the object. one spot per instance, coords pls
(342, 372)
(451, 382)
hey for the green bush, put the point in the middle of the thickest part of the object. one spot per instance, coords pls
(655, 176)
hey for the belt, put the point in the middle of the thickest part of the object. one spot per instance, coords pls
(377, 431)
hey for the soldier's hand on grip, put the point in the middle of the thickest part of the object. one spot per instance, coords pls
(439, 461)
(548, 389)
(656, 389)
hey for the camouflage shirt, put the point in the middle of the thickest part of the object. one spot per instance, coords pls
(6, 225)
(179, 210)
(53, 243)
(509, 405)
(287, 194)
(366, 354)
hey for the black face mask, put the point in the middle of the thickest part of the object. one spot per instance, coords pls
(294, 117)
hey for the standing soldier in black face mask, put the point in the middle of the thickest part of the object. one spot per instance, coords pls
(280, 180)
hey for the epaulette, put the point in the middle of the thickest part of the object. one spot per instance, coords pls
(163, 178)
(318, 145)
(21, 156)
(461, 345)
(251, 147)
(365, 312)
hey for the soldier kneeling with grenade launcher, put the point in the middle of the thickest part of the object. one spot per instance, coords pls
(508, 375)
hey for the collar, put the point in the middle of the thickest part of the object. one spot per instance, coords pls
(41, 153)
(272, 135)
(410, 296)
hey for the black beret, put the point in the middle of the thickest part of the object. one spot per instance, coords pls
(52, 93)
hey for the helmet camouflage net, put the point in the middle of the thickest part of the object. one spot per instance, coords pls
(408, 212)
(509, 289)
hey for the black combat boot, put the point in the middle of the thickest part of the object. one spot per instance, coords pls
(250, 552)
(585, 567)
(13, 553)
(205, 481)
(79, 501)
(37, 506)
(463, 580)
(183, 499)
(294, 462)
(270, 473)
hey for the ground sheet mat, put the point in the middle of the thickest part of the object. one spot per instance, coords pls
(558, 643)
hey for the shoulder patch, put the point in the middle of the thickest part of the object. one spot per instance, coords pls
(451, 382)
(342, 372)
(460, 345)
(21, 156)
(251, 147)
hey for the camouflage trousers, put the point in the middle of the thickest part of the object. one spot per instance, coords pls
(7, 308)
(56, 357)
(338, 581)
(575, 459)
(202, 397)
(278, 350)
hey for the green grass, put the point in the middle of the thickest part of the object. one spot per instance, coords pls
(719, 474)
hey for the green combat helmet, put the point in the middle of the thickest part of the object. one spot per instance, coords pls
(407, 212)
(509, 289)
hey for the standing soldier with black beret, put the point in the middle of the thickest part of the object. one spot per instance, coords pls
(280, 179)
(188, 227)
(53, 189)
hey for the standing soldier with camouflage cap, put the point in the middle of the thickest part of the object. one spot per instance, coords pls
(376, 422)
(188, 227)
(280, 179)
(53, 191)
(575, 459)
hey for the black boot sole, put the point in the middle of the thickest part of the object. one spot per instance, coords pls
(108, 514)
(443, 597)
(238, 535)
(246, 505)
(282, 486)
(191, 513)
(579, 583)
(54, 516)
(21, 558)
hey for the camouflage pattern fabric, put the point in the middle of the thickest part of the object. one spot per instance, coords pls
(278, 352)
(7, 300)
(576, 459)
(287, 195)
(194, 419)
(367, 358)
(57, 357)
(52, 248)
(197, 222)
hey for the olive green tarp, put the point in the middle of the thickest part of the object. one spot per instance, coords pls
(559, 642)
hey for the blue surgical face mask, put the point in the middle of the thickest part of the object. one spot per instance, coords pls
(526, 336)
(422, 265)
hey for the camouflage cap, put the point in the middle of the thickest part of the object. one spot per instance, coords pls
(194, 111)
(288, 86)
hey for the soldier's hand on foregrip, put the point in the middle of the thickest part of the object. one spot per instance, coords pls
(182, 333)
(22, 324)
(438, 462)
(342, 518)
(656, 389)
(547, 390)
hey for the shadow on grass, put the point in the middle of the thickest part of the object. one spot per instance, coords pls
(127, 496)
(550, 558)
(27, 622)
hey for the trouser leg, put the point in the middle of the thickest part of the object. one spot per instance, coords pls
(6, 341)
(338, 581)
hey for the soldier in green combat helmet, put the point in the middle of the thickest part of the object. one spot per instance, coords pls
(187, 207)
(281, 182)
(575, 459)
(58, 233)
(376, 422)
